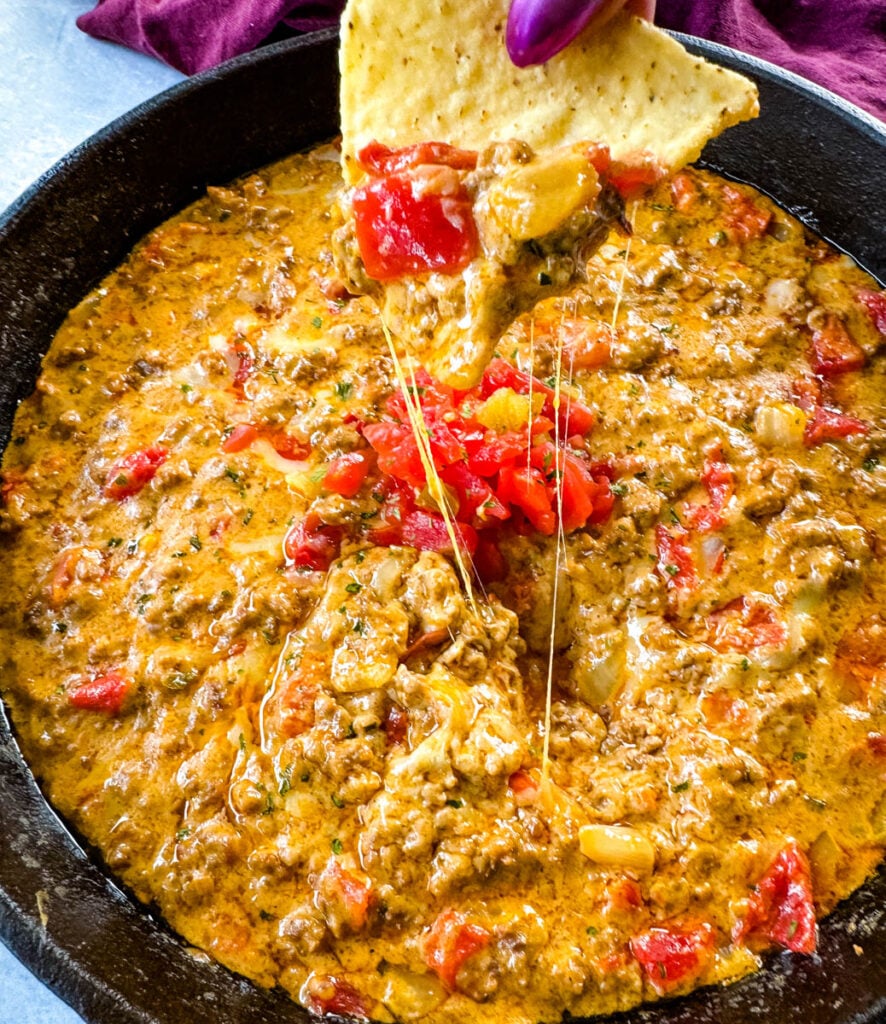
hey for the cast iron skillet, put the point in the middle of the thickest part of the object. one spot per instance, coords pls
(108, 957)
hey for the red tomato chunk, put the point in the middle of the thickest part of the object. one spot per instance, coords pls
(875, 304)
(378, 159)
(781, 909)
(312, 545)
(414, 222)
(345, 475)
(127, 476)
(453, 939)
(834, 351)
(673, 954)
(105, 693)
(675, 564)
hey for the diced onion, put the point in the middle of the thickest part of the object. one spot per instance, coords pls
(617, 846)
(712, 549)
(276, 461)
(780, 425)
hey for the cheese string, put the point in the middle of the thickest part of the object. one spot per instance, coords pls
(559, 544)
(624, 273)
(435, 484)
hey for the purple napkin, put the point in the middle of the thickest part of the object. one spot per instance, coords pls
(839, 43)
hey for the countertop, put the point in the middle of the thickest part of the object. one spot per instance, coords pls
(57, 87)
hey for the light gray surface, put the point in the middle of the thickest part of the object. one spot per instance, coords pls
(57, 87)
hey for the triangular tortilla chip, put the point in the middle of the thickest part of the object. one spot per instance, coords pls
(437, 69)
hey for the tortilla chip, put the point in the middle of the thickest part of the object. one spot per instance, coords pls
(437, 69)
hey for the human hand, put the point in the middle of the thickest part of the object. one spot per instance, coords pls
(537, 29)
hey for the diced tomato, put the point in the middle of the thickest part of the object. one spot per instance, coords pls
(311, 544)
(445, 446)
(476, 499)
(128, 475)
(396, 724)
(525, 788)
(675, 564)
(831, 425)
(674, 953)
(584, 499)
(397, 450)
(345, 475)
(861, 657)
(623, 896)
(587, 344)
(526, 489)
(630, 179)
(806, 393)
(499, 450)
(875, 304)
(352, 894)
(414, 222)
(599, 157)
(104, 693)
(720, 484)
(834, 351)
(378, 159)
(327, 994)
(578, 490)
(781, 908)
(452, 940)
(240, 437)
(723, 711)
(427, 531)
(744, 625)
(745, 220)
(684, 192)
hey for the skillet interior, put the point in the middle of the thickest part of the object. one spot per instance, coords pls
(109, 958)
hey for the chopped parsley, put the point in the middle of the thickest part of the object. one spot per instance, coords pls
(247, 519)
(799, 755)
(337, 846)
(457, 804)
(242, 741)
(672, 570)
(681, 787)
(182, 833)
(337, 801)
(354, 588)
(619, 489)
(195, 543)
(317, 322)
(343, 389)
(870, 463)
(115, 542)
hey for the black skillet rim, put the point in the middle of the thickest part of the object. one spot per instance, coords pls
(151, 978)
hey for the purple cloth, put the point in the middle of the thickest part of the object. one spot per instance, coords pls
(840, 44)
(193, 35)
